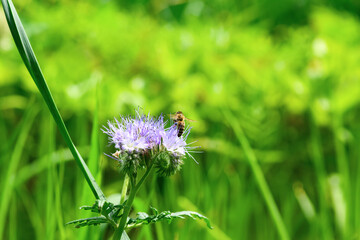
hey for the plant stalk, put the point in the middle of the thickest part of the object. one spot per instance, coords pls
(133, 190)
(124, 189)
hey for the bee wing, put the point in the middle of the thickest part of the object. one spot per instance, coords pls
(172, 116)
(190, 120)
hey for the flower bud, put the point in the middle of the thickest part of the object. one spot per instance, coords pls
(167, 164)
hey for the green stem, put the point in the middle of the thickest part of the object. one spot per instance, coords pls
(144, 176)
(124, 189)
(133, 190)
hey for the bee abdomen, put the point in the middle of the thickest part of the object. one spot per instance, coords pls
(180, 130)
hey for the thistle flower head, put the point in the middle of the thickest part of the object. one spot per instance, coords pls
(135, 138)
(135, 134)
(172, 143)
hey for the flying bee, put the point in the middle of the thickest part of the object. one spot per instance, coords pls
(179, 121)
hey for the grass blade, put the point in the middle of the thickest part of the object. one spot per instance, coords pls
(318, 159)
(23, 45)
(93, 163)
(259, 176)
(32, 211)
(343, 168)
(50, 178)
(8, 180)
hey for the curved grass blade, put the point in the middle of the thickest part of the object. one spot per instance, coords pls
(23, 45)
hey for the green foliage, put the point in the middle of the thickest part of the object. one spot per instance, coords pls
(293, 87)
(92, 221)
(143, 218)
(259, 176)
(31, 63)
(110, 214)
(7, 185)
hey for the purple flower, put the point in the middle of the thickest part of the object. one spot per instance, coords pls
(135, 134)
(175, 145)
(142, 140)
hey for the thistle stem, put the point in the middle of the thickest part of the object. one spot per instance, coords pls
(133, 190)
(124, 189)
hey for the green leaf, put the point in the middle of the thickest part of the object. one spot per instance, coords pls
(28, 56)
(109, 214)
(105, 208)
(92, 221)
(143, 218)
(192, 215)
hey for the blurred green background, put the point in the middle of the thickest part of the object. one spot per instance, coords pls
(287, 70)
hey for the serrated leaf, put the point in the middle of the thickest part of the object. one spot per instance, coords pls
(109, 213)
(192, 215)
(143, 218)
(92, 221)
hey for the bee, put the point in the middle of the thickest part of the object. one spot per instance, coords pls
(179, 121)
